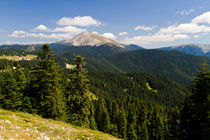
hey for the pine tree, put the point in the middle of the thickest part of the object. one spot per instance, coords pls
(11, 98)
(21, 81)
(131, 135)
(114, 112)
(194, 114)
(156, 126)
(78, 95)
(145, 132)
(102, 116)
(92, 118)
(122, 123)
(20, 78)
(46, 94)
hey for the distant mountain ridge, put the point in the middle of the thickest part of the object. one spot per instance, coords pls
(85, 44)
(194, 49)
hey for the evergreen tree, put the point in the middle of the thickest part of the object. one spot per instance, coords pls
(11, 98)
(131, 135)
(102, 116)
(92, 117)
(122, 123)
(78, 95)
(114, 112)
(194, 114)
(145, 133)
(21, 81)
(156, 126)
(174, 124)
(46, 94)
(20, 78)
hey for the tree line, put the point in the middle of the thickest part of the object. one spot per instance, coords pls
(47, 90)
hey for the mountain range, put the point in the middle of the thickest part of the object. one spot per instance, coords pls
(194, 49)
(91, 44)
(179, 63)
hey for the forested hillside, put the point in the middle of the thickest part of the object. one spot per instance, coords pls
(145, 86)
(126, 105)
(176, 65)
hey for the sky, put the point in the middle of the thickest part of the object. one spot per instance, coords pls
(148, 23)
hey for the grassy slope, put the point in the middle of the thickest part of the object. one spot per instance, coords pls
(19, 125)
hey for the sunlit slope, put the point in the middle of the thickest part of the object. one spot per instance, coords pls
(18, 125)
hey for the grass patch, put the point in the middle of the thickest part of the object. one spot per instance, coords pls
(18, 125)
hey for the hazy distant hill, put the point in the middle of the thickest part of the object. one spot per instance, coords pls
(194, 49)
(27, 48)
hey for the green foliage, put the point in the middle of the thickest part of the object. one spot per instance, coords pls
(93, 124)
(176, 65)
(101, 113)
(151, 89)
(195, 113)
(11, 97)
(46, 94)
(123, 104)
(115, 85)
(78, 99)
(131, 135)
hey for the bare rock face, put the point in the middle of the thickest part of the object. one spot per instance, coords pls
(91, 39)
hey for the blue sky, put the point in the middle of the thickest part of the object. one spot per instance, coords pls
(149, 23)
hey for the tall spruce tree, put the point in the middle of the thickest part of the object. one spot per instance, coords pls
(195, 113)
(22, 83)
(131, 134)
(121, 123)
(45, 87)
(78, 95)
(20, 78)
(11, 98)
(92, 117)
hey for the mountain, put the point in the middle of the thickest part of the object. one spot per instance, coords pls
(85, 44)
(132, 47)
(176, 65)
(194, 49)
(90, 44)
(18, 125)
(91, 39)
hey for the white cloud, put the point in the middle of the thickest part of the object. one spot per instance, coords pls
(1, 30)
(78, 21)
(145, 39)
(24, 42)
(185, 28)
(18, 33)
(144, 28)
(69, 29)
(95, 33)
(109, 35)
(40, 28)
(196, 36)
(185, 12)
(123, 33)
(174, 32)
(204, 18)
(23, 34)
